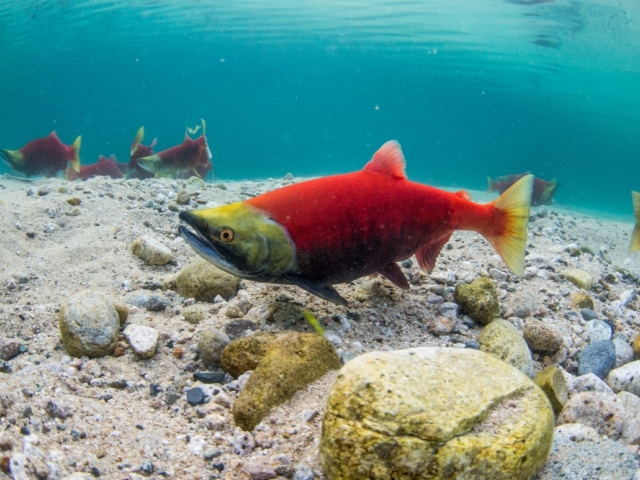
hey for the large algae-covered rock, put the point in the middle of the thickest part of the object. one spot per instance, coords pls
(434, 413)
(554, 385)
(89, 324)
(479, 299)
(291, 362)
(203, 281)
(245, 353)
(501, 339)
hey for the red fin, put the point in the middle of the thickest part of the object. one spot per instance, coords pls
(463, 194)
(428, 254)
(393, 273)
(388, 161)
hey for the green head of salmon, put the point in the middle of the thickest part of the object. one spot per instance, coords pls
(240, 240)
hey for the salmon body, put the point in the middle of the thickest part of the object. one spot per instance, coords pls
(44, 156)
(106, 167)
(138, 150)
(336, 229)
(542, 193)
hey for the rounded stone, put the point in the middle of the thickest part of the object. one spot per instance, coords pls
(203, 281)
(581, 300)
(598, 358)
(523, 304)
(210, 346)
(553, 384)
(143, 340)
(588, 314)
(502, 340)
(479, 299)
(194, 314)
(150, 251)
(624, 351)
(595, 410)
(626, 378)
(89, 324)
(195, 396)
(597, 330)
(419, 414)
(541, 336)
(579, 278)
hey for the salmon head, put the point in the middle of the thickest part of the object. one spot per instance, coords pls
(242, 240)
(13, 158)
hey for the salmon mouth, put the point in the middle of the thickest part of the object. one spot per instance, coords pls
(207, 249)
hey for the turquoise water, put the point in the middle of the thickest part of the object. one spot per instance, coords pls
(470, 88)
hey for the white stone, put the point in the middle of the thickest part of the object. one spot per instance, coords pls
(624, 351)
(631, 426)
(625, 378)
(576, 432)
(597, 330)
(143, 340)
(18, 467)
(150, 251)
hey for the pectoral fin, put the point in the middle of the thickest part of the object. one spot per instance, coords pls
(394, 274)
(326, 292)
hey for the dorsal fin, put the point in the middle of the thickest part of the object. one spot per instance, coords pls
(388, 161)
(463, 194)
(187, 138)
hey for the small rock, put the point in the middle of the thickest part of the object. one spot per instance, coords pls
(479, 299)
(542, 211)
(150, 251)
(589, 383)
(195, 396)
(209, 377)
(211, 345)
(307, 415)
(9, 348)
(449, 309)
(235, 328)
(523, 304)
(553, 384)
(89, 324)
(444, 278)
(501, 339)
(194, 314)
(58, 409)
(624, 351)
(137, 298)
(541, 336)
(576, 432)
(143, 340)
(243, 442)
(211, 453)
(261, 470)
(626, 378)
(598, 358)
(631, 426)
(146, 468)
(498, 275)
(44, 190)
(581, 300)
(588, 314)
(18, 466)
(233, 312)
(157, 303)
(303, 472)
(441, 326)
(74, 201)
(595, 410)
(183, 197)
(203, 281)
(579, 278)
(215, 422)
(597, 330)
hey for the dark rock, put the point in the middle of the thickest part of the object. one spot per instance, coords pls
(25, 431)
(472, 344)
(154, 389)
(235, 328)
(195, 396)
(598, 358)
(5, 367)
(147, 468)
(407, 263)
(209, 377)
(588, 314)
(157, 303)
(171, 396)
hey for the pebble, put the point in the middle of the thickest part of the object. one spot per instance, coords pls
(441, 326)
(9, 348)
(243, 442)
(57, 408)
(237, 327)
(445, 278)
(523, 304)
(307, 415)
(589, 383)
(588, 314)
(210, 346)
(554, 385)
(209, 377)
(137, 298)
(600, 412)
(624, 351)
(150, 251)
(542, 211)
(498, 275)
(261, 470)
(303, 472)
(541, 336)
(215, 422)
(576, 432)
(195, 396)
(157, 303)
(501, 339)
(631, 427)
(449, 309)
(143, 340)
(434, 299)
(147, 467)
(579, 278)
(598, 358)
(626, 378)
(597, 330)
(211, 453)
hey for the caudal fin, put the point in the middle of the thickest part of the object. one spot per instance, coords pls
(513, 211)
(635, 236)
(75, 161)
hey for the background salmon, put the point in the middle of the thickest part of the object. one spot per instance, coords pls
(106, 167)
(44, 156)
(343, 227)
(140, 151)
(542, 194)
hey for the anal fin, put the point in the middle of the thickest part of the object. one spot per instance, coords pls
(427, 254)
(324, 291)
(394, 274)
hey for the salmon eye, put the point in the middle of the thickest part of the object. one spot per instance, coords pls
(226, 235)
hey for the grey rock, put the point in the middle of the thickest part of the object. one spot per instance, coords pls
(235, 328)
(624, 351)
(600, 412)
(597, 330)
(9, 348)
(261, 470)
(631, 426)
(598, 358)
(542, 211)
(449, 309)
(523, 303)
(89, 324)
(588, 460)
(588, 314)
(157, 303)
(626, 378)
(210, 346)
(150, 251)
(498, 275)
(589, 383)
(435, 299)
(137, 298)
(303, 472)
(445, 278)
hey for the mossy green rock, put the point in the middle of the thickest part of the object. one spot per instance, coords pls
(245, 353)
(291, 362)
(434, 413)
(89, 324)
(479, 299)
(203, 281)
(194, 313)
(554, 385)
(502, 340)
(579, 278)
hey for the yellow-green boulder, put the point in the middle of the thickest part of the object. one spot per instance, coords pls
(291, 362)
(434, 413)
(202, 281)
(479, 299)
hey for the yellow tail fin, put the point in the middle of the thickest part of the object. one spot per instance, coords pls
(75, 161)
(635, 236)
(514, 204)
